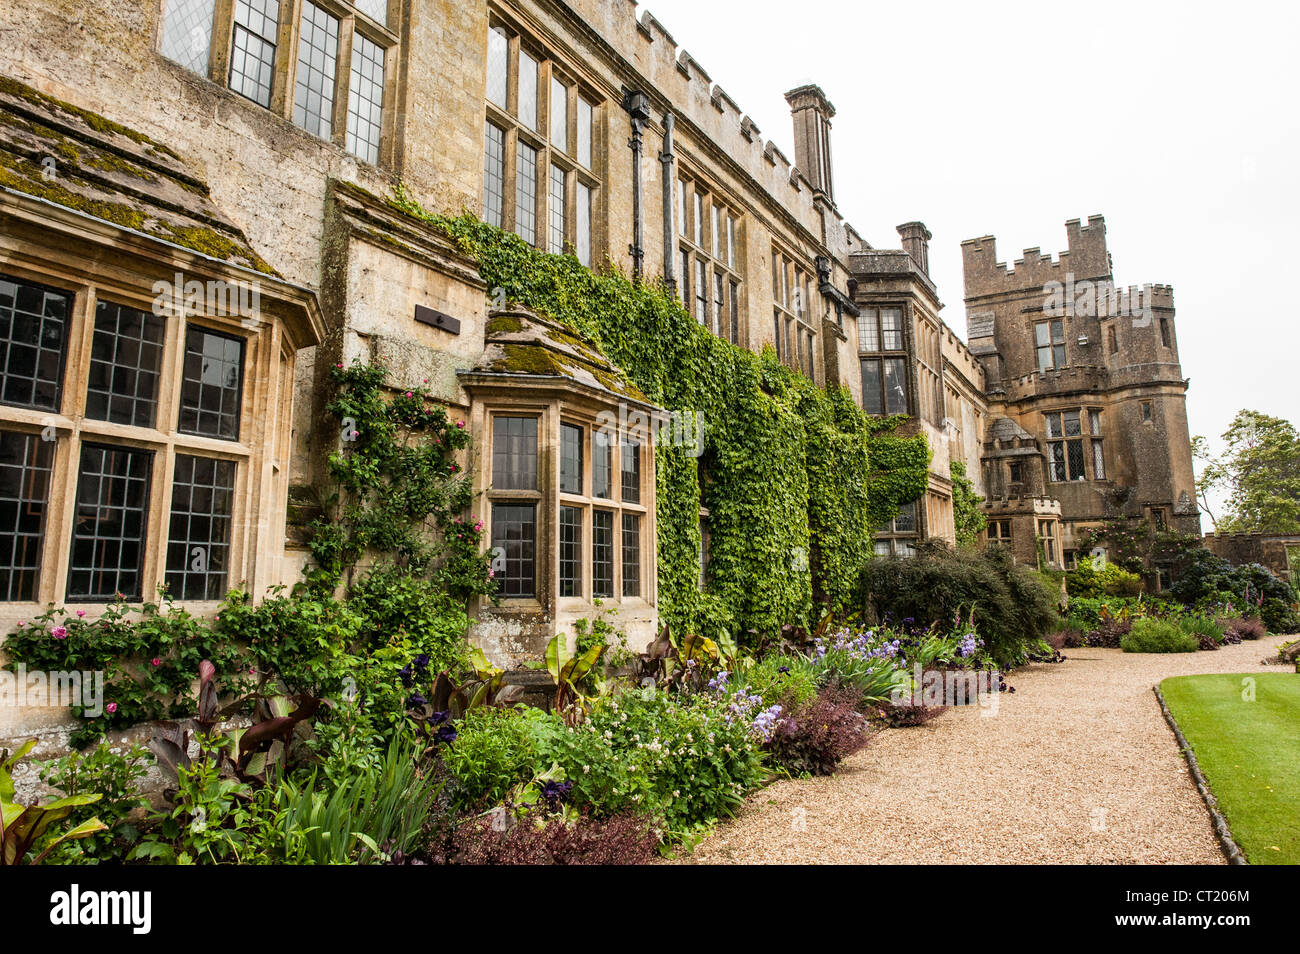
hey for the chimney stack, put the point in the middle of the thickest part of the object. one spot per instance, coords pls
(812, 113)
(916, 243)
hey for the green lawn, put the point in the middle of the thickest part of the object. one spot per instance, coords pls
(1249, 753)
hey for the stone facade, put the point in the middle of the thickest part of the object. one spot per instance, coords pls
(1280, 552)
(1085, 393)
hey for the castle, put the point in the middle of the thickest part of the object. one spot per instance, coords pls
(213, 147)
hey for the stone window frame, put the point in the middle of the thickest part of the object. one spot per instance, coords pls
(1056, 349)
(872, 313)
(793, 281)
(999, 531)
(554, 408)
(353, 20)
(702, 208)
(1090, 440)
(1048, 538)
(550, 69)
(253, 452)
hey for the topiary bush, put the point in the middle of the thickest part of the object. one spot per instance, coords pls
(1012, 605)
(1157, 636)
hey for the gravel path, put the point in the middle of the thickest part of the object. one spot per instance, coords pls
(1077, 766)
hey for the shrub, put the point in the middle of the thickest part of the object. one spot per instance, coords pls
(1204, 579)
(115, 778)
(493, 752)
(1012, 605)
(1157, 636)
(619, 840)
(1243, 627)
(820, 735)
(1208, 633)
(1091, 579)
(787, 681)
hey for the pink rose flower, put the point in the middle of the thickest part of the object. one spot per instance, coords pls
(409, 394)
(59, 632)
(460, 424)
(81, 613)
(155, 662)
(111, 708)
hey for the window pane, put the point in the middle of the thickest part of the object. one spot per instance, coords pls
(868, 331)
(684, 279)
(1058, 355)
(735, 313)
(585, 117)
(719, 301)
(514, 453)
(377, 10)
(881, 548)
(559, 115)
(1058, 332)
(494, 175)
(716, 248)
(602, 467)
(583, 225)
(198, 540)
(872, 394)
(1045, 359)
(514, 531)
(570, 551)
(1073, 425)
(631, 554)
(731, 242)
(186, 35)
(1053, 425)
(896, 385)
(570, 459)
(318, 47)
(25, 464)
(905, 522)
(602, 554)
(527, 91)
(557, 210)
(697, 232)
(1042, 334)
(891, 328)
(33, 333)
(125, 360)
(1098, 462)
(366, 99)
(1076, 460)
(1094, 422)
(681, 207)
(1058, 461)
(497, 66)
(108, 532)
(631, 483)
(212, 383)
(252, 53)
(701, 291)
(525, 192)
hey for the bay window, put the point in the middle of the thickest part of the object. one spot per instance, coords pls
(1070, 448)
(123, 461)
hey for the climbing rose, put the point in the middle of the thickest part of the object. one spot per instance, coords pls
(155, 662)
(59, 632)
(111, 708)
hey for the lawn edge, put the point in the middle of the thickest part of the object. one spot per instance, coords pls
(1231, 850)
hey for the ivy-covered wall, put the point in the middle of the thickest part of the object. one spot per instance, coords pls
(796, 479)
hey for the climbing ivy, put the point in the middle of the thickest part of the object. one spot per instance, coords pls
(967, 517)
(401, 493)
(795, 479)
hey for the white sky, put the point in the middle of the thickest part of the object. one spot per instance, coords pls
(1178, 122)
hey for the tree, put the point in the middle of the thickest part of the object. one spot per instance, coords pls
(1260, 472)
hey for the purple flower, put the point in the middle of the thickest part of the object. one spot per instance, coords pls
(416, 701)
(446, 734)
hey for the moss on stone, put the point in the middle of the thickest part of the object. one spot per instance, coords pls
(504, 325)
(210, 242)
(21, 177)
(11, 87)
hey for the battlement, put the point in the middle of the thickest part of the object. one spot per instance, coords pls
(1086, 257)
(676, 79)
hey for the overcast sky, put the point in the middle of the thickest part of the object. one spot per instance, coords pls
(1178, 122)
